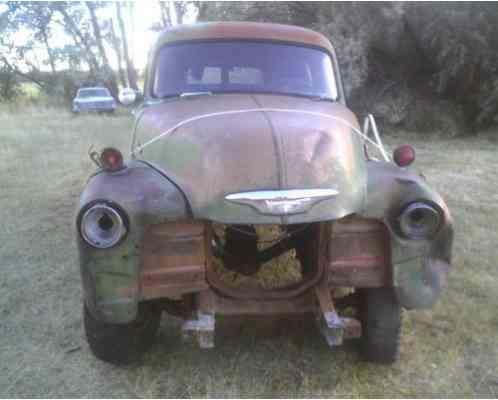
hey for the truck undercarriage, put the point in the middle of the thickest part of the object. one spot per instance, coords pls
(199, 270)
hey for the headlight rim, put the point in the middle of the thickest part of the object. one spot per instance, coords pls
(108, 204)
(426, 236)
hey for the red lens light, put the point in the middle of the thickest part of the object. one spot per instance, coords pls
(404, 155)
(112, 159)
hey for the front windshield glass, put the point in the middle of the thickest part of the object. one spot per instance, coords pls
(97, 92)
(241, 66)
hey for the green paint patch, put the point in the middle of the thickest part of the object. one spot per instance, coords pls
(173, 153)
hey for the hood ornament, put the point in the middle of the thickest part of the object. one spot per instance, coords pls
(282, 202)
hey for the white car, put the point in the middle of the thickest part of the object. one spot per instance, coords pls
(97, 99)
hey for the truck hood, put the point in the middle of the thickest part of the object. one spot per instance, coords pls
(234, 154)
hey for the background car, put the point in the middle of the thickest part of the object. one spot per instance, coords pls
(94, 99)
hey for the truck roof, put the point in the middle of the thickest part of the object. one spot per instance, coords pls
(244, 31)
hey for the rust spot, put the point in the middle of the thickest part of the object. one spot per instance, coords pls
(359, 254)
(173, 260)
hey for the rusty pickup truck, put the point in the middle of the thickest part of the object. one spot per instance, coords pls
(243, 152)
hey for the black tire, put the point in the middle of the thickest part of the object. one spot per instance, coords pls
(380, 316)
(122, 344)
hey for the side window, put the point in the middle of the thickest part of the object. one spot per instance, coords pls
(204, 76)
(245, 76)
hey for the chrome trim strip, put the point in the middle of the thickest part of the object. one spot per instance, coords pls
(293, 194)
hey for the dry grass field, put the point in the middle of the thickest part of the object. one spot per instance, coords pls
(449, 351)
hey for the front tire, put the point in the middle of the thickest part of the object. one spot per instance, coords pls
(380, 316)
(122, 344)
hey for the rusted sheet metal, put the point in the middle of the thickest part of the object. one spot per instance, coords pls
(173, 260)
(223, 305)
(419, 267)
(214, 157)
(243, 30)
(203, 161)
(111, 276)
(329, 323)
(201, 328)
(359, 253)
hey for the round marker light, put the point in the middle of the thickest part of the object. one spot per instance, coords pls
(102, 226)
(404, 155)
(111, 159)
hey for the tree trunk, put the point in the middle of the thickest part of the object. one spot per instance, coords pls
(72, 27)
(131, 31)
(165, 13)
(202, 10)
(24, 75)
(130, 69)
(180, 9)
(110, 77)
(51, 58)
(116, 45)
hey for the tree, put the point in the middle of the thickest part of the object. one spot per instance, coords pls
(165, 9)
(108, 72)
(130, 69)
(406, 60)
(174, 12)
(12, 54)
(40, 18)
(180, 10)
(72, 17)
(115, 43)
(9, 84)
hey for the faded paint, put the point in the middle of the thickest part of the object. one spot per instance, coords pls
(195, 167)
(358, 254)
(420, 267)
(173, 260)
(294, 151)
(111, 276)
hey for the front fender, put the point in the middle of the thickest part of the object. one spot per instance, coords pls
(419, 267)
(111, 276)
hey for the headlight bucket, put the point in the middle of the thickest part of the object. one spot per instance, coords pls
(102, 225)
(419, 220)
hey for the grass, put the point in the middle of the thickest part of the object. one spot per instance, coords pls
(451, 350)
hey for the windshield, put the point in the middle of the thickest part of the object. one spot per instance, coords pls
(97, 92)
(241, 66)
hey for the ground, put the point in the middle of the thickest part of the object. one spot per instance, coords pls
(451, 350)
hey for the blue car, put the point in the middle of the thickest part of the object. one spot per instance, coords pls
(94, 99)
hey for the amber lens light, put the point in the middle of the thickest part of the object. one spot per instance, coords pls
(419, 221)
(112, 159)
(404, 155)
(102, 226)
